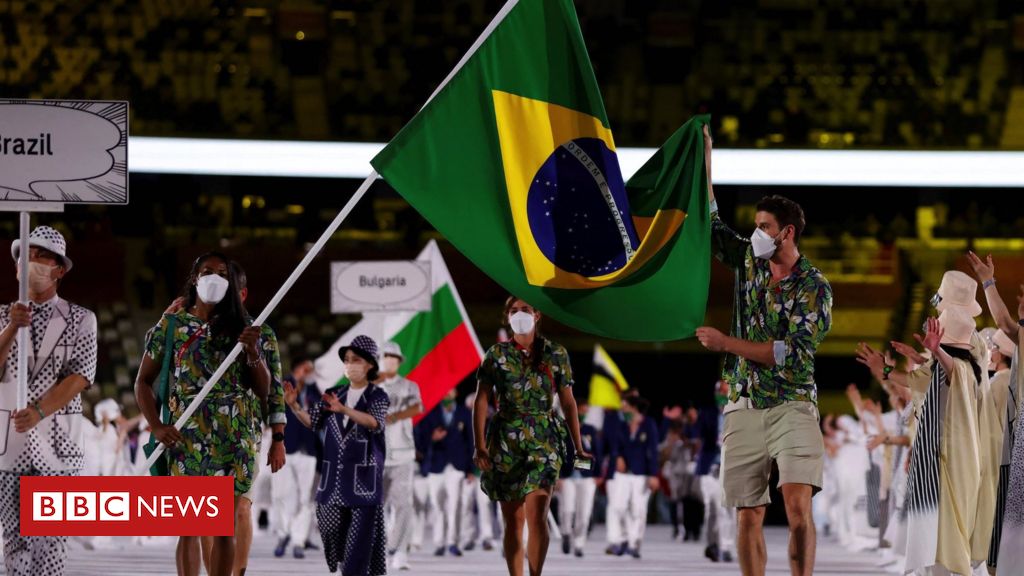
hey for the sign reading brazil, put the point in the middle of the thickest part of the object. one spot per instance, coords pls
(382, 286)
(63, 151)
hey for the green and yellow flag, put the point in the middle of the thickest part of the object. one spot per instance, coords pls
(514, 162)
(606, 381)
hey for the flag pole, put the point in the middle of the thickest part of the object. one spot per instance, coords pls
(23, 333)
(281, 292)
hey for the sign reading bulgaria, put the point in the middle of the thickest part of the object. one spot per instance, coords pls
(64, 151)
(382, 286)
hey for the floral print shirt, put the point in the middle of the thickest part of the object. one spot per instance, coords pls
(794, 314)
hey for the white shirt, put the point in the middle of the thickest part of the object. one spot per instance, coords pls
(354, 394)
(403, 393)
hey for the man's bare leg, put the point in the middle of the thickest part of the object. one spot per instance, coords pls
(750, 541)
(802, 535)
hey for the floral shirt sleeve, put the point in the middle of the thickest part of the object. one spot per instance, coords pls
(560, 368)
(156, 340)
(729, 247)
(272, 356)
(488, 370)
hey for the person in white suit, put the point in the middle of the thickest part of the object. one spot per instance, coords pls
(43, 438)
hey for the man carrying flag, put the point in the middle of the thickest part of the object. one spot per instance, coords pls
(781, 314)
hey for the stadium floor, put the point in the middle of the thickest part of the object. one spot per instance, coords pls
(660, 556)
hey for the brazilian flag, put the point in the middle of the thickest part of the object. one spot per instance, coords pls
(514, 162)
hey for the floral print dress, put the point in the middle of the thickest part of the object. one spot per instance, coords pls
(222, 436)
(525, 435)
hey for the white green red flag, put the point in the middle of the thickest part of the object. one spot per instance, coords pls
(439, 345)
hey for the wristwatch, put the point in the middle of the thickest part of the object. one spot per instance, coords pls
(277, 437)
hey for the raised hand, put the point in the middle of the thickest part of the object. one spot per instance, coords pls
(871, 358)
(933, 335)
(908, 352)
(333, 404)
(290, 393)
(854, 395)
(176, 306)
(983, 270)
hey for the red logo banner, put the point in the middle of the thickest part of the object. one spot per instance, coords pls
(127, 506)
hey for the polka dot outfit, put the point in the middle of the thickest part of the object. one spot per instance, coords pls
(350, 503)
(63, 340)
(354, 538)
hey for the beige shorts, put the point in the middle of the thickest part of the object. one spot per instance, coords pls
(787, 434)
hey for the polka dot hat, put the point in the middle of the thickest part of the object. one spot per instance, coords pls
(48, 238)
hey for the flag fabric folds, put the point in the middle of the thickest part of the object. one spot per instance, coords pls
(514, 162)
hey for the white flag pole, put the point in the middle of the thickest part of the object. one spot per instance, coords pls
(502, 13)
(313, 253)
(23, 333)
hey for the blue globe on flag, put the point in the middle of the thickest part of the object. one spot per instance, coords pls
(578, 211)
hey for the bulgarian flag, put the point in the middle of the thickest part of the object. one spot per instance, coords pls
(439, 345)
(513, 161)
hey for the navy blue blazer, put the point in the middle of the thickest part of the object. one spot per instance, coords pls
(610, 433)
(641, 451)
(352, 469)
(456, 448)
(592, 443)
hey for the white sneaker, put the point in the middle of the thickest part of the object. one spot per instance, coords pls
(401, 561)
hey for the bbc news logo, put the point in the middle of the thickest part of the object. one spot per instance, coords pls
(127, 506)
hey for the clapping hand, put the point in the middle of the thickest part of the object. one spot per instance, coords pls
(932, 336)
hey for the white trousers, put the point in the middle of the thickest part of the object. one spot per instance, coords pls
(576, 504)
(629, 496)
(292, 490)
(482, 526)
(719, 520)
(446, 496)
(398, 504)
(420, 507)
(261, 493)
(615, 513)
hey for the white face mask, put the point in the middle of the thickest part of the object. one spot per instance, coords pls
(521, 322)
(355, 372)
(389, 365)
(40, 276)
(211, 288)
(764, 245)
